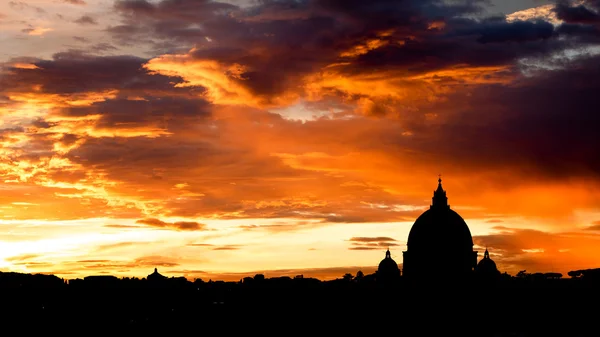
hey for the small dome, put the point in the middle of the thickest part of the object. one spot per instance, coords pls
(487, 266)
(155, 276)
(388, 268)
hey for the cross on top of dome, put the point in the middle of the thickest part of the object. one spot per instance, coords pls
(439, 196)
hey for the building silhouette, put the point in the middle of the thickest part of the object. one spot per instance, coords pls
(439, 243)
(156, 276)
(486, 268)
(388, 270)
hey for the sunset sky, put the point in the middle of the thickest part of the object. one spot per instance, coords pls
(219, 139)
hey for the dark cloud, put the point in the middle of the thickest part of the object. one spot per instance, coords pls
(81, 39)
(73, 72)
(595, 226)
(21, 6)
(543, 125)
(140, 98)
(581, 21)
(102, 47)
(372, 243)
(86, 20)
(372, 239)
(310, 35)
(579, 14)
(179, 225)
(518, 31)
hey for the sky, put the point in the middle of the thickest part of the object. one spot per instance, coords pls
(221, 139)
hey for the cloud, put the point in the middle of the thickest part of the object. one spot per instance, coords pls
(595, 226)
(178, 225)
(578, 14)
(81, 39)
(118, 245)
(37, 31)
(151, 261)
(102, 47)
(371, 239)
(215, 247)
(121, 226)
(545, 12)
(86, 20)
(330, 46)
(75, 2)
(77, 96)
(540, 251)
(21, 258)
(23, 6)
(228, 247)
(371, 243)
(88, 267)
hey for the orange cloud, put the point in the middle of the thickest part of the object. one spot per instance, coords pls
(545, 12)
(178, 225)
(539, 251)
(37, 31)
(224, 83)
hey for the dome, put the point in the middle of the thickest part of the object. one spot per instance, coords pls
(155, 276)
(388, 267)
(487, 265)
(439, 243)
(440, 227)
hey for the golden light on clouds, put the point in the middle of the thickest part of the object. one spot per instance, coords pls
(224, 83)
(24, 66)
(38, 31)
(369, 45)
(542, 12)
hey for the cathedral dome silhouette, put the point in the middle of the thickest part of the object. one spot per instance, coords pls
(487, 266)
(439, 234)
(388, 268)
(440, 227)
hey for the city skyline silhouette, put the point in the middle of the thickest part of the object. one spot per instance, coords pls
(223, 139)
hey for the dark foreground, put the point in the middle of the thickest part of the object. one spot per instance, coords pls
(307, 307)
